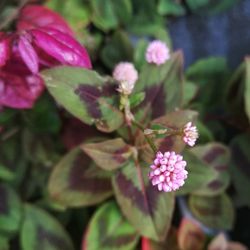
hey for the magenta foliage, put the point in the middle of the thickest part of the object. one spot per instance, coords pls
(43, 39)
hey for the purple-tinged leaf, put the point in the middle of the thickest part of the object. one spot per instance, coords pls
(199, 174)
(147, 209)
(216, 157)
(10, 210)
(86, 95)
(162, 86)
(4, 49)
(41, 231)
(109, 230)
(62, 47)
(109, 154)
(76, 181)
(36, 16)
(213, 211)
(190, 235)
(28, 53)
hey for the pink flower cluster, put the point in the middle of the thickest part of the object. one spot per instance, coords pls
(157, 52)
(127, 75)
(168, 171)
(42, 39)
(190, 134)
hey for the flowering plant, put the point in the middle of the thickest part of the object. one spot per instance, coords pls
(101, 152)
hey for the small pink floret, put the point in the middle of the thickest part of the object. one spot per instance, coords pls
(127, 75)
(157, 52)
(171, 175)
(190, 134)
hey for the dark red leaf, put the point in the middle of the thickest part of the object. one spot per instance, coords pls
(28, 53)
(19, 88)
(62, 47)
(36, 16)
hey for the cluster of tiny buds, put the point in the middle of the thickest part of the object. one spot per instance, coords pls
(190, 134)
(126, 74)
(168, 171)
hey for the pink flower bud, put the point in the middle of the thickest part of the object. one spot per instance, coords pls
(190, 134)
(171, 176)
(127, 75)
(157, 52)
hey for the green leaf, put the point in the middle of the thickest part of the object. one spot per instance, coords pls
(4, 243)
(170, 7)
(162, 86)
(41, 231)
(208, 74)
(239, 167)
(104, 16)
(85, 95)
(147, 209)
(190, 235)
(117, 49)
(109, 230)
(210, 6)
(247, 88)
(216, 211)
(7, 115)
(189, 92)
(123, 10)
(5, 173)
(199, 174)
(136, 99)
(139, 53)
(43, 117)
(76, 181)
(205, 135)
(10, 210)
(110, 154)
(75, 12)
(216, 157)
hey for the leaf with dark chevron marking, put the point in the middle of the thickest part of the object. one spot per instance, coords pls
(213, 211)
(109, 230)
(86, 95)
(147, 209)
(41, 231)
(199, 174)
(240, 168)
(216, 157)
(77, 181)
(109, 154)
(10, 210)
(163, 87)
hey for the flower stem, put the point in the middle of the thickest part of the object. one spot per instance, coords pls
(148, 139)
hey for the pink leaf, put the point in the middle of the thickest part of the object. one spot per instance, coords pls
(36, 16)
(4, 49)
(18, 88)
(62, 47)
(28, 53)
